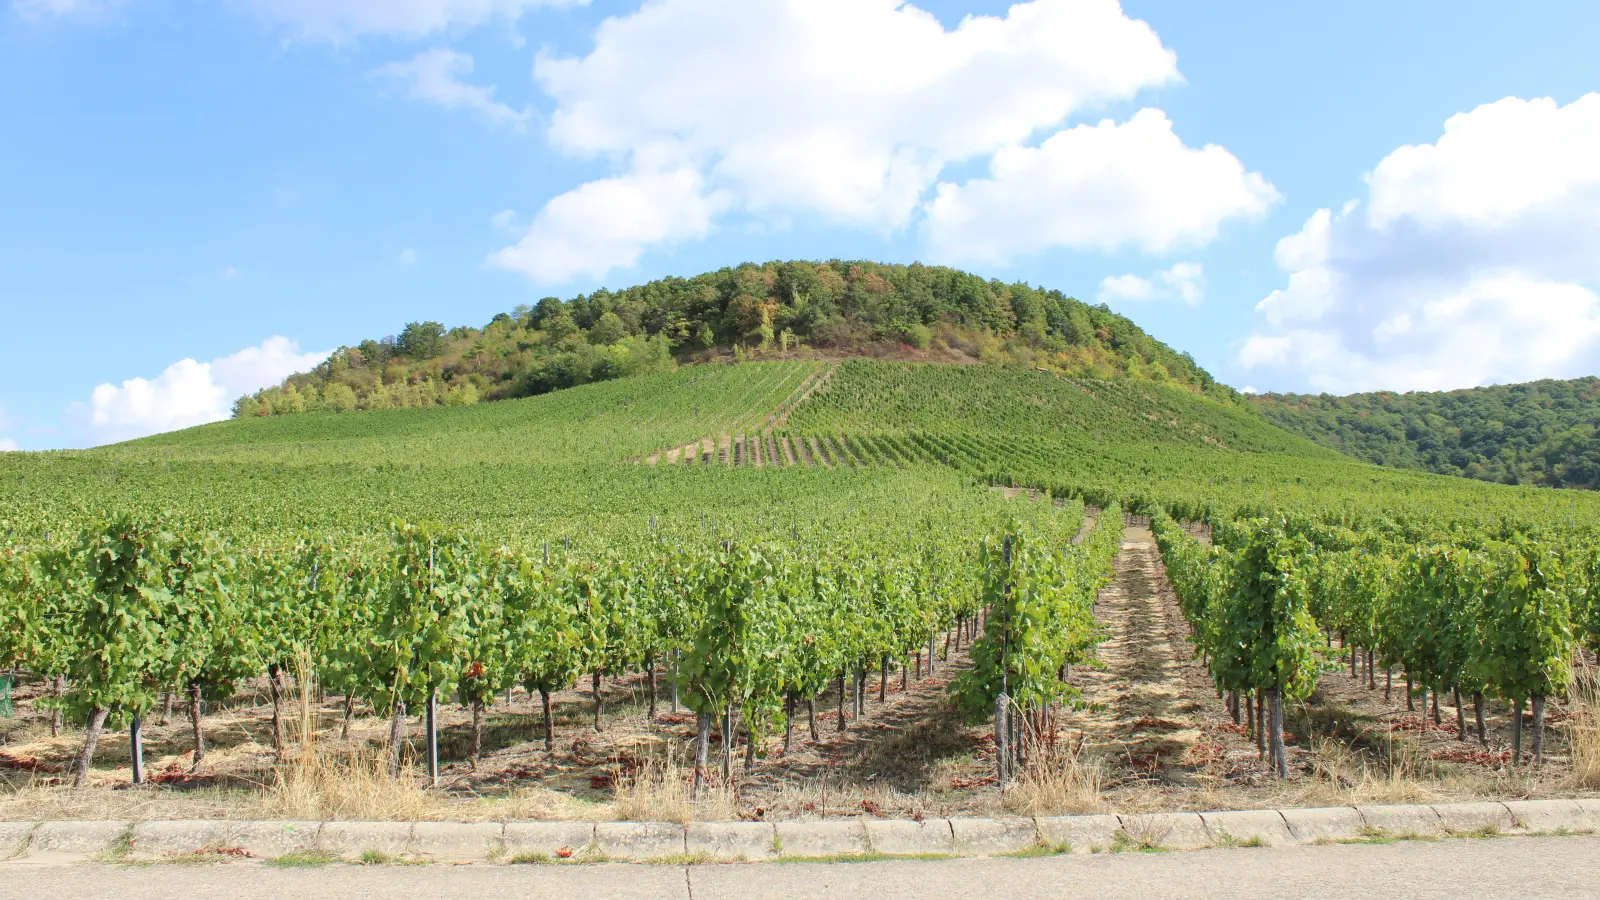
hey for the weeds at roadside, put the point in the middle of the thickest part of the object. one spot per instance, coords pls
(303, 859)
(683, 859)
(1040, 849)
(1123, 842)
(564, 856)
(531, 859)
(860, 858)
(1484, 832)
(120, 850)
(1371, 835)
(374, 857)
(198, 858)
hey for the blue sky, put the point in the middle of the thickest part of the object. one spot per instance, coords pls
(197, 198)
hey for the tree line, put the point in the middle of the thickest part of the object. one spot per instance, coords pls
(771, 309)
(1540, 433)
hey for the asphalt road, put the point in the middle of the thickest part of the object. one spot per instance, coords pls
(1525, 868)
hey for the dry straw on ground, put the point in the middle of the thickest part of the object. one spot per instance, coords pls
(661, 791)
(1584, 734)
(1345, 777)
(1067, 783)
(352, 785)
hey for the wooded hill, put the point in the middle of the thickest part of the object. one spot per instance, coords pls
(1540, 433)
(775, 310)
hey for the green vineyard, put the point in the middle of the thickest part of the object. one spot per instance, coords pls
(752, 538)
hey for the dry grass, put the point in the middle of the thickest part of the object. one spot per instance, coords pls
(656, 793)
(36, 801)
(356, 785)
(1584, 735)
(1069, 784)
(1345, 776)
(318, 784)
(818, 798)
(526, 804)
(662, 791)
(942, 774)
(344, 785)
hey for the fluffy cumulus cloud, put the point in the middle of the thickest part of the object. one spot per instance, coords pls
(609, 223)
(7, 445)
(1473, 260)
(338, 20)
(846, 110)
(1097, 187)
(439, 76)
(1184, 282)
(189, 392)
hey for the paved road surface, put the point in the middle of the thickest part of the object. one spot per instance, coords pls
(1524, 868)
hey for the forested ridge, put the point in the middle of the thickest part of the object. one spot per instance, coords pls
(1539, 433)
(773, 310)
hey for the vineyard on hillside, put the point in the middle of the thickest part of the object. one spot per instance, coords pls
(590, 588)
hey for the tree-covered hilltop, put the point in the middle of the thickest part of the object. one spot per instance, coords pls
(1541, 433)
(773, 310)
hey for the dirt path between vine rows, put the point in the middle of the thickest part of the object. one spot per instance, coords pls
(1149, 715)
(1145, 708)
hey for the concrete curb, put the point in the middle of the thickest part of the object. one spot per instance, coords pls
(495, 842)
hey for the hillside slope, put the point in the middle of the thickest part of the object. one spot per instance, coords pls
(771, 445)
(1541, 433)
(774, 310)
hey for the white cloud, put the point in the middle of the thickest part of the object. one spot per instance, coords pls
(848, 110)
(1185, 282)
(1497, 162)
(505, 220)
(228, 273)
(338, 20)
(7, 445)
(407, 257)
(437, 76)
(39, 9)
(188, 392)
(1096, 187)
(1474, 260)
(604, 224)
